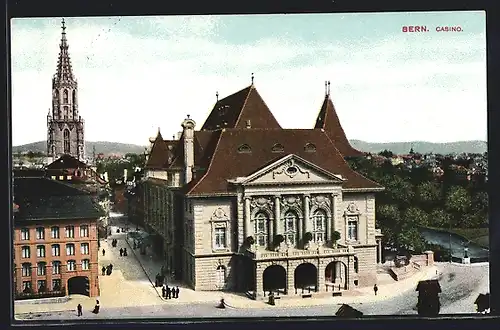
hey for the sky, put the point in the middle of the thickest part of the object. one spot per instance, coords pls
(138, 74)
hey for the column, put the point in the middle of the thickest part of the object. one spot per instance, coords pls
(246, 225)
(338, 272)
(307, 225)
(331, 220)
(277, 213)
(379, 244)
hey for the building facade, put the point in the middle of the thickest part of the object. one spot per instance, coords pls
(245, 205)
(55, 239)
(65, 127)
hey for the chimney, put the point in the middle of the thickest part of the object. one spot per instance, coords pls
(249, 123)
(188, 142)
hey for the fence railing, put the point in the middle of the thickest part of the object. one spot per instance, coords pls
(40, 295)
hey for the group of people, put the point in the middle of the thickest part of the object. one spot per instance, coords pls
(169, 292)
(107, 270)
(96, 309)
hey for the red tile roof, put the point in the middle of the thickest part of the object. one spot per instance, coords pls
(329, 121)
(235, 110)
(228, 163)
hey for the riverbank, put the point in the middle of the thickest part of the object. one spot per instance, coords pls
(479, 236)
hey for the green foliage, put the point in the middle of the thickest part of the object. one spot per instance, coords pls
(458, 200)
(336, 236)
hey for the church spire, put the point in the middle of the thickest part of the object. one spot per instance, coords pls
(64, 71)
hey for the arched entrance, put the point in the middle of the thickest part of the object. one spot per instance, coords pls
(79, 285)
(274, 279)
(306, 278)
(336, 276)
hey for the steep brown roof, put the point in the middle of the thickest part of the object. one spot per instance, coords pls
(158, 157)
(204, 146)
(235, 110)
(329, 121)
(66, 162)
(228, 163)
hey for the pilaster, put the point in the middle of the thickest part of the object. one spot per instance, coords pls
(246, 226)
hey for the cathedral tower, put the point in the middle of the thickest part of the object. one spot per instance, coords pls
(65, 127)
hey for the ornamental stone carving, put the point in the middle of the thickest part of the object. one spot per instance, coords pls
(262, 202)
(290, 201)
(290, 169)
(320, 201)
(352, 209)
(219, 215)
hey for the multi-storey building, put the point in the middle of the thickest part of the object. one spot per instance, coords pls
(55, 239)
(245, 205)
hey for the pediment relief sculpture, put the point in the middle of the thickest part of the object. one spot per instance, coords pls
(290, 169)
(219, 215)
(352, 209)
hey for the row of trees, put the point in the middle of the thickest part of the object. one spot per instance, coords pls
(115, 167)
(415, 198)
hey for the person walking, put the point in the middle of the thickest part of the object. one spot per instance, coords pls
(79, 309)
(163, 292)
(103, 270)
(103, 252)
(169, 293)
(121, 252)
(97, 307)
(375, 289)
(125, 252)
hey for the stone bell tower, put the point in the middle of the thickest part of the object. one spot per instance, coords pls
(65, 127)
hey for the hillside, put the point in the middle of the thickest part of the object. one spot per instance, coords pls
(100, 147)
(396, 147)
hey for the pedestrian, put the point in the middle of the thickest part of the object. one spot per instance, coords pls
(121, 252)
(79, 309)
(103, 252)
(135, 245)
(125, 252)
(163, 292)
(169, 293)
(375, 289)
(103, 270)
(177, 292)
(111, 266)
(96, 308)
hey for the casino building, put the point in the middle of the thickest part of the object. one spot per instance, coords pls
(245, 205)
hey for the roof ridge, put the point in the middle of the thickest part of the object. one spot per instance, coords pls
(244, 103)
(209, 165)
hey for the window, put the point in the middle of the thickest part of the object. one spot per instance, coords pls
(42, 285)
(56, 267)
(260, 229)
(26, 252)
(40, 251)
(26, 286)
(70, 249)
(309, 147)
(85, 264)
(352, 229)
(56, 284)
(40, 233)
(56, 250)
(66, 139)
(84, 248)
(220, 238)
(54, 231)
(220, 277)
(244, 148)
(356, 265)
(65, 96)
(71, 265)
(25, 234)
(290, 231)
(70, 231)
(26, 269)
(278, 147)
(319, 225)
(41, 269)
(84, 231)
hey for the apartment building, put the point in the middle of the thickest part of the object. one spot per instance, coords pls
(55, 239)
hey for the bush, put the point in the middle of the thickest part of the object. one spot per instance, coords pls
(250, 240)
(278, 239)
(308, 237)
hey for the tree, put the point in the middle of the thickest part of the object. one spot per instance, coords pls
(415, 217)
(399, 190)
(410, 239)
(335, 237)
(428, 193)
(458, 200)
(439, 218)
(386, 153)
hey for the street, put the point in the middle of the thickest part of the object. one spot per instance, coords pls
(460, 285)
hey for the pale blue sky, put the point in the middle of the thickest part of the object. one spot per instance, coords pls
(136, 74)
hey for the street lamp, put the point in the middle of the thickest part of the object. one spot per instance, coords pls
(449, 232)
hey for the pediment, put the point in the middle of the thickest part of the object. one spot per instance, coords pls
(290, 169)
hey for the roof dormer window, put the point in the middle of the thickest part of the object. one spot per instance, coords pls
(278, 147)
(244, 148)
(309, 147)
